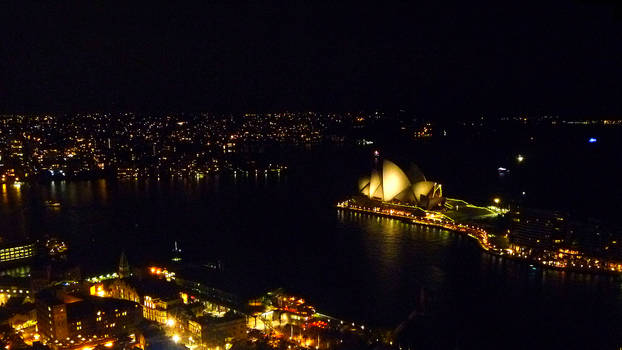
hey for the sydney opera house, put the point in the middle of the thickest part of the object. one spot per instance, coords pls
(389, 183)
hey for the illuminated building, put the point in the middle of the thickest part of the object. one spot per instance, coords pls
(537, 229)
(122, 289)
(390, 183)
(25, 320)
(156, 309)
(11, 287)
(157, 297)
(65, 320)
(210, 332)
(9, 253)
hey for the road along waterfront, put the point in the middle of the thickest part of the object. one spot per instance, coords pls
(563, 259)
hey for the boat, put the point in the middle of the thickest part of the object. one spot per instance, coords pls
(52, 204)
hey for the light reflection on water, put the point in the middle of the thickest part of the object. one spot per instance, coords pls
(465, 286)
(352, 265)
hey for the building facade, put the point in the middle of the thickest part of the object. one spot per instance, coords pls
(64, 321)
(15, 252)
(538, 229)
(211, 332)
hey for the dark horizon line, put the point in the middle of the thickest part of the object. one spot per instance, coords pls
(424, 115)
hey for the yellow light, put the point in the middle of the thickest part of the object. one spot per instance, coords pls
(520, 158)
(176, 338)
(170, 322)
(109, 344)
(497, 200)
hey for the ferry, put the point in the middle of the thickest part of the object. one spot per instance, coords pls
(52, 204)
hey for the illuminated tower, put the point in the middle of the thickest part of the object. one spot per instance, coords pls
(124, 266)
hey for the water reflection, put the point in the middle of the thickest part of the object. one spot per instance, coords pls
(352, 265)
(466, 285)
(4, 195)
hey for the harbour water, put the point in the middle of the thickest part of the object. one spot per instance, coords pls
(274, 231)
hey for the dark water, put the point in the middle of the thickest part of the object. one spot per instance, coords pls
(283, 231)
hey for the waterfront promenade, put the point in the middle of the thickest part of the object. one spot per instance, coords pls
(561, 259)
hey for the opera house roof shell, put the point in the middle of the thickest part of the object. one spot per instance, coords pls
(391, 183)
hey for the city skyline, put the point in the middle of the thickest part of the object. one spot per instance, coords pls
(310, 175)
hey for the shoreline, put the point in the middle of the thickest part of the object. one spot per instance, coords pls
(478, 234)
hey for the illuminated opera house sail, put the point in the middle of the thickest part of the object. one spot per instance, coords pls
(391, 183)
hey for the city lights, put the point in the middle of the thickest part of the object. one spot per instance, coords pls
(419, 216)
(310, 175)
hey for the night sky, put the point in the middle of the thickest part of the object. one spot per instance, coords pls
(564, 57)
